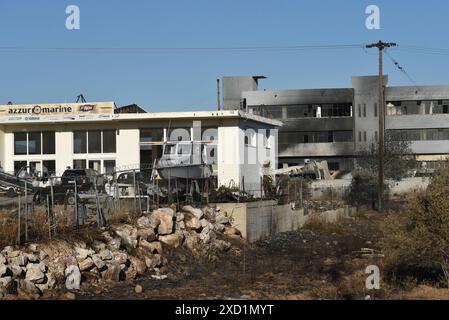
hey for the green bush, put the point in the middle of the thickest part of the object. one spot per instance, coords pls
(418, 241)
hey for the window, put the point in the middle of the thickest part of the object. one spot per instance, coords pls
(375, 110)
(34, 143)
(109, 141)
(250, 137)
(376, 136)
(109, 166)
(364, 110)
(95, 165)
(94, 141)
(20, 143)
(79, 164)
(360, 110)
(364, 136)
(48, 143)
(360, 136)
(80, 142)
(49, 168)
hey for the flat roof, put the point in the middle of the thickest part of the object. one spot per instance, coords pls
(92, 112)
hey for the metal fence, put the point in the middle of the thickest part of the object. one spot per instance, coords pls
(45, 207)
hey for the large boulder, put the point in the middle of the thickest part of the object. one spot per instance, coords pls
(105, 255)
(151, 247)
(73, 278)
(3, 270)
(6, 282)
(114, 243)
(174, 240)
(98, 261)
(49, 284)
(20, 260)
(83, 253)
(221, 218)
(166, 216)
(128, 235)
(2, 259)
(192, 241)
(148, 222)
(113, 273)
(191, 221)
(27, 287)
(196, 212)
(36, 273)
(153, 261)
(147, 234)
(86, 264)
(139, 265)
(119, 257)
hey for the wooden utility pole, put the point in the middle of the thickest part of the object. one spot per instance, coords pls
(380, 189)
(218, 95)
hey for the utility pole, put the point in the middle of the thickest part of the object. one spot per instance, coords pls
(380, 189)
(218, 95)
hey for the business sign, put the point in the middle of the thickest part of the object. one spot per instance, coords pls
(56, 112)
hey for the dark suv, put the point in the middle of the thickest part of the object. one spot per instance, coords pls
(65, 191)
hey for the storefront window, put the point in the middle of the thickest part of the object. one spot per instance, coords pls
(20, 143)
(34, 143)
(79, 164)
(48, 143)
(109, 166)
(94, 138)
(109, 141)
(79, 141)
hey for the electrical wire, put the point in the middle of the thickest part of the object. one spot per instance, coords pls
(179, 49)
(400, 68)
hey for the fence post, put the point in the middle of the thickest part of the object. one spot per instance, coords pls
(52, 214)
(26, 211)
(18, 231)
(135, 189)
(48, 217)
(76, 205)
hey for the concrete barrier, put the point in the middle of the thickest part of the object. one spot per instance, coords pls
(262, 219)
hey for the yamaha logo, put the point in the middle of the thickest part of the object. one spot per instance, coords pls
(87, 108)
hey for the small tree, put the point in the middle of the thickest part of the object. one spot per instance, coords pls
(422, 240)
(398, 158)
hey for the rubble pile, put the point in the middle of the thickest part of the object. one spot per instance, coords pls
(124, 252)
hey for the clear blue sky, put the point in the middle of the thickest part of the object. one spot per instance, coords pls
(186, 81)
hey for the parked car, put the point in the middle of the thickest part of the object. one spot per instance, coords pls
(64, 191)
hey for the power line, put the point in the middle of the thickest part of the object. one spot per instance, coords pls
(180, 49)
(400, 68)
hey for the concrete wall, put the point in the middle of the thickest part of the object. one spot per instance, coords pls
(262, 219)
(233, 88)
(301, 96)
(317, 149)
(366, 97)
(416, 93)
(2, 148)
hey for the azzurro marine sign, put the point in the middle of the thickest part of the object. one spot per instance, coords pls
(56, 112)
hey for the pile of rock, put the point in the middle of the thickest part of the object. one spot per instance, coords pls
(24, 271)
(124, 252)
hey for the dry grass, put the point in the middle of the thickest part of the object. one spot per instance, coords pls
(317, 223)
(8, 229)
